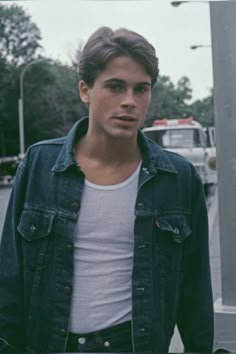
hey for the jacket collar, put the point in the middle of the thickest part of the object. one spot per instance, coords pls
(154, 158)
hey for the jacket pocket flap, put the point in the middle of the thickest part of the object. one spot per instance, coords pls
(175, 224)
(35, 225)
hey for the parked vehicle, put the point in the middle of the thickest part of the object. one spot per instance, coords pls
(187, 137)
(6, 181)
(8, 166)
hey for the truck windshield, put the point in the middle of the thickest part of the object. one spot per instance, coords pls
(176, 138)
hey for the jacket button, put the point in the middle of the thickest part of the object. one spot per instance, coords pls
(140, 205)
(67, 290)
(32, 228)
(144, 245)
(62, 332)
(69, 247)
(81, 340)
(141, 330)
(140, 290)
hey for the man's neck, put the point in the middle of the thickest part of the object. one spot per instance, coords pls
(115, 152)
(104, 164)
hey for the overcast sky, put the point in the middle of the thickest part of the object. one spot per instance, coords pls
(65, 23)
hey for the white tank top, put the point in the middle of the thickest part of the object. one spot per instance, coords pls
(103, 256)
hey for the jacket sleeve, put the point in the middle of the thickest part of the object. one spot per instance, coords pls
(195, 312)
(12, 332)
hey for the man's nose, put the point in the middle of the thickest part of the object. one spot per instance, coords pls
(129, 99)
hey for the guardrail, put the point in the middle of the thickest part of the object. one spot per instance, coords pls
(6, 159)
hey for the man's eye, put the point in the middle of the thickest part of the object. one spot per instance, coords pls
(116, 88)
(141, 89)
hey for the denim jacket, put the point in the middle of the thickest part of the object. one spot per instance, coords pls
(171, 274)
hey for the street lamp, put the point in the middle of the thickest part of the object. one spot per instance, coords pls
(193, 47)
(178, 3)
(21, 105)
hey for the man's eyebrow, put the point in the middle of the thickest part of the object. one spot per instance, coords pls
(144, 83)
(119, 81)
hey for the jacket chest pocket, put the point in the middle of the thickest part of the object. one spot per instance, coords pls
(36, 230)
(170, 237)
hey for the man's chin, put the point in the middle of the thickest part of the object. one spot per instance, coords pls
(124, 135)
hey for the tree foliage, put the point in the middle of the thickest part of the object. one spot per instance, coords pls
(19, 36)
(204, 110)
(53, 105)
(175, 101)
(169, 101)
(19, 44)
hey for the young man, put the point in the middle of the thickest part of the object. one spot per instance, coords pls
(105, 243)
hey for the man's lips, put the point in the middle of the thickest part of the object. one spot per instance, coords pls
(126, 118)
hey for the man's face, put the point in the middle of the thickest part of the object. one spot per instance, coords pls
(119, 99)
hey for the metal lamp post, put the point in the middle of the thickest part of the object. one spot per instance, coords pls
(21, 105)
(178, 3)
(194, 47)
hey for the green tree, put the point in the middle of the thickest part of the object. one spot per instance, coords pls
(19, 36)
(170, 101)
(8, 99)
(52, 104)
(5, 80)
(173, 102)
(203, 110)
(19, 44)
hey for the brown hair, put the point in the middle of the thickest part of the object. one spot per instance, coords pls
(106, 44)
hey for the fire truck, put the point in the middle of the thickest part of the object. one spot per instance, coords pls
(188, 138)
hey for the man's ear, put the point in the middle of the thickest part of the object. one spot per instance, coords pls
(84, 92)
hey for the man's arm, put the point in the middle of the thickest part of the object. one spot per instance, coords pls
(195, 312)
(12, 332)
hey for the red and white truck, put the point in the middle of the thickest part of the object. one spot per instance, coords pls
(188, 138)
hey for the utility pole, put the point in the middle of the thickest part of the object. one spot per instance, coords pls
(223, 29)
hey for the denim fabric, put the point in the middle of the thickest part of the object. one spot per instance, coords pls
(171, 274)
(116, 339)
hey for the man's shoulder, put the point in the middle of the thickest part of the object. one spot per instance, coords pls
(43, 152)
(178, 161)
(47, 147)
(56, 142)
